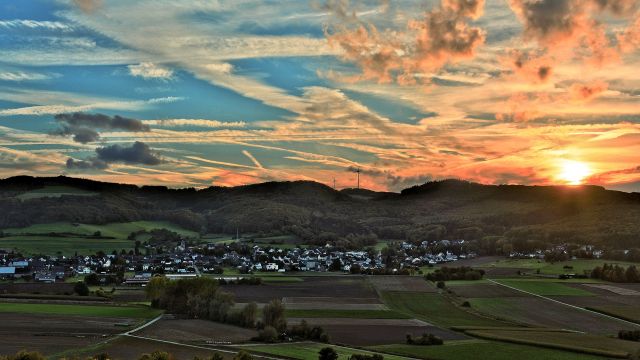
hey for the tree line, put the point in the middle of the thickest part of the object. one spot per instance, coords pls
(616, 273)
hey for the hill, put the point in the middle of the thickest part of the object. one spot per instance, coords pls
(487, 216)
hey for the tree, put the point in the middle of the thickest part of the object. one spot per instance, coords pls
(157, 355)
(215, 356)
(269, 334)
(81, 288)
(336, 265)
(327, 353)
(25, 355)
(248, 315)
(243, 355)
(273, 315)
(440, 285)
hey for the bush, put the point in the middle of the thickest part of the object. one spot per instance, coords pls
(157, 355)
(273, 315)
(327, 353)
(269, 334)
(425, 339)
(366, 357)
(25, 355)
(81, 288)
(440, 285)
(243, 355)
(631, 335)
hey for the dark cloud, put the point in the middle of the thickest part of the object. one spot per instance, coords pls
(84, 127)
(89, 164)
(137, 153)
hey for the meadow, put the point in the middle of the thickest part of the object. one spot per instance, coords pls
(136, 312)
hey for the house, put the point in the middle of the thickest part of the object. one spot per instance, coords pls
(45, 277)
(271, 267)
(7, 272)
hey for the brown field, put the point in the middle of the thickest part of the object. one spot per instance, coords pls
(618, 290)
(540, 312)
(401, 283)
(51, 334)
(337, 286)
(485, 291)
(132, 294)
(127, 348)
(329, 303)
(367, 332)
(37, 288)
(195, 331)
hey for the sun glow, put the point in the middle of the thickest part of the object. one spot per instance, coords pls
(573, 172)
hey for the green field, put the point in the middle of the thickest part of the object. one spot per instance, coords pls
(309, 351)
(478, 349)
(54, 191)
(137, 312)
(434, 308)
(354, 314)
(35, 239)
(578, 342)
(545, 288)
(626, 312)
(578, 266)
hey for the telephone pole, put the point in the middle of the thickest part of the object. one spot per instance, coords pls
(358, 175)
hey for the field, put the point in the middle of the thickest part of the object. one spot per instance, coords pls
(309, 351)
(342, 313)
(489, 350)
(435, 309)
(54, 191)
(136, 312)
(545, 288)
(200, 332)
(38, 239)
(578, 266)
(55, 333)
(583, 343)
(626, 312)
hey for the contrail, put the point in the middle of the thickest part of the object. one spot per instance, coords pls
(253, 159)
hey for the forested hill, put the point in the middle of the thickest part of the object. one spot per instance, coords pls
(524, 216)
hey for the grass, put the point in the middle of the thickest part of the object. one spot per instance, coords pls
(54, 191)
(578, 266)
(137, 312)
(545, 288)
(625, 312)
(31, 245)
(352, 314)
(309, 351)
(115, 230)
(478, 349)
(35, 239)
(281, 279)
(453, 283)
(433, 308)
(577, 342)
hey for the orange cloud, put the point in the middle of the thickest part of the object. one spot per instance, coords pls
(440, 37)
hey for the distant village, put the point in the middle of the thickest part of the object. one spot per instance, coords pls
(215, 259)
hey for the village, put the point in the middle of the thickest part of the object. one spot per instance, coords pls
(213, 259)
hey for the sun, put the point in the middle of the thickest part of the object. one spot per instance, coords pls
(573, 172)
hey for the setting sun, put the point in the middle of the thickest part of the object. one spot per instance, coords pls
(574, 172)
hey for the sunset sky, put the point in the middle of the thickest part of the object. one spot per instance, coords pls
(199, 93)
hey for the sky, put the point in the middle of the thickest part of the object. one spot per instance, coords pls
(201, 93)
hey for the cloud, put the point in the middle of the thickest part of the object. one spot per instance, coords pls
(253, 159)
(55, 109)
(137, 153)
(18, 76)
(35, 24)
(566, 29)
(585, 92)
(83, 126)
(89, 164)
(442, 36)
(88, 6)
(195, 122)
(149, 70)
